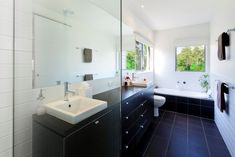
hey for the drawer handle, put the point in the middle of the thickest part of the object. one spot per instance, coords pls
(126, 147)
(142, 115)
(127, 132)
(127, 103)
(97, 122)
(126, 117)
(141, 126)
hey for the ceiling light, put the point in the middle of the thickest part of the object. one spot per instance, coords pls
(142, 5)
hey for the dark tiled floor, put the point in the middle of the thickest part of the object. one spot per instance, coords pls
(179, 135)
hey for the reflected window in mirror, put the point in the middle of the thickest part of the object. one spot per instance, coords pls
(138, 59)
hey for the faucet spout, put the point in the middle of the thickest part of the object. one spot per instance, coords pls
(67, 91)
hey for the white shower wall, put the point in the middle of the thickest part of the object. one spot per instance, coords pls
(6, 77)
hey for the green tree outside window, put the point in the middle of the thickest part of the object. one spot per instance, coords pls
(190, 58)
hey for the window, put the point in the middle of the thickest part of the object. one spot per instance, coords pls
(191, 58)
(138, 59)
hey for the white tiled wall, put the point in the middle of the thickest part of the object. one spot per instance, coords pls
(6, 77)
(224, 70)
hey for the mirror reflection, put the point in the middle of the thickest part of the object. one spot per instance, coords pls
(73, 41)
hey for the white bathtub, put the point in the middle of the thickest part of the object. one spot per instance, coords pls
(182, 93)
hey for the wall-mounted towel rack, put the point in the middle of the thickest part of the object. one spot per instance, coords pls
(229, 85)
(81, 48)
(84, 75)
(231, 30)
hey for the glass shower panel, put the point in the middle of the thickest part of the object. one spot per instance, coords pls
(58, 41)
(6, 78)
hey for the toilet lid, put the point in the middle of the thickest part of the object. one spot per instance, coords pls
(157, 97)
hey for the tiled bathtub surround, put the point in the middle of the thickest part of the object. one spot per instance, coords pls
(6, 77)
(197, 107)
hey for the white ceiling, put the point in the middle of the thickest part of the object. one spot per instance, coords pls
(166, 14)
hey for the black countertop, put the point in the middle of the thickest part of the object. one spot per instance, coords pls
(130, 91)
(113, 98)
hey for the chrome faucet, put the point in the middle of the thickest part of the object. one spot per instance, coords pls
(67, 91)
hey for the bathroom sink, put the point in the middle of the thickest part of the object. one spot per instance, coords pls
(141, 83)
(76, 109)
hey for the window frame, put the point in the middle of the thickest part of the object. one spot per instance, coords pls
(192, 45)
(150, 50)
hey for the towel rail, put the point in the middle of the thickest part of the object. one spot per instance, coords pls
(231, 30)
(84, 75)
(229, 86)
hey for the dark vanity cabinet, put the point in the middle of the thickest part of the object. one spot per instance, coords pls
(137, 114)
(95, 138)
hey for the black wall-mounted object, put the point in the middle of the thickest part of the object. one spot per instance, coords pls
(223, 41)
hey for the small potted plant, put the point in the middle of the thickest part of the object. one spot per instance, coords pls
(204, 82)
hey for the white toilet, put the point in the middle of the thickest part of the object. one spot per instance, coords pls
(158, 102)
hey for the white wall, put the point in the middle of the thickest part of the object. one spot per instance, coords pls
(165, 43)
(224, 70)
(6, 77)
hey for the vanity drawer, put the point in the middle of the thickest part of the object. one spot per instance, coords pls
(129, 105)
(142, 107)
(127, 148)
(143, 127)
(128, 134)
(128, 120)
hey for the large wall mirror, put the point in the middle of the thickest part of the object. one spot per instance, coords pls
(74, 40)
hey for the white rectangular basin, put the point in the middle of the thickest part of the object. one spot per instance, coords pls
(141, 83)
(76, 109)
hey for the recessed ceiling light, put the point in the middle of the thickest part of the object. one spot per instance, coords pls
(142, 6)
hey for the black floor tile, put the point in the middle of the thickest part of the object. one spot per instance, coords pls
(197, 151)
(157, 148)
(216, 144)
(213, 132)
(168, 115)
(180, 135)
(163, 130)
(194, 120)
(177, 148)
(195, 128)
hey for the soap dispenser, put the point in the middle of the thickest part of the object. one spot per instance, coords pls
(41, 109)
(85, 90)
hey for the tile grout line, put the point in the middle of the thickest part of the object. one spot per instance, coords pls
(168, 143)
(151, 139)
(204, 133)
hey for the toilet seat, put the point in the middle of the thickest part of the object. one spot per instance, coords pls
(161, 98)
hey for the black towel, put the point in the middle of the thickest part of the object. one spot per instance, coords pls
(222, 89)
(88, 77)
(223, 41)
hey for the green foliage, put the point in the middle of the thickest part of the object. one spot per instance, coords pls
(204, 82)
(130, 60)
(191, 58)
